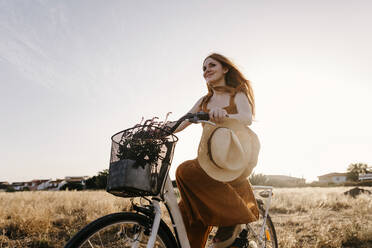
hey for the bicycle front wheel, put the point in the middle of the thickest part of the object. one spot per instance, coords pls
(268, 238)
(121, 230)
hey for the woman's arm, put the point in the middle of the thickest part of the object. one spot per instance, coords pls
(185, 124)
(244, 114)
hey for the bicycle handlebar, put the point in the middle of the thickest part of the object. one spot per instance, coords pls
(194, 118)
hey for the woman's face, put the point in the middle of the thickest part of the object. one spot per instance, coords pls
(214, 72)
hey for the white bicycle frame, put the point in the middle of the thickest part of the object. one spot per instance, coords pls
(170, 200)
(260, 236)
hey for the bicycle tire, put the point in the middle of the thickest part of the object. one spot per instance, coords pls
(271, 227)
(270, 239)
(118, 234)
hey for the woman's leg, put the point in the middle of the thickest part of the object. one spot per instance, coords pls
(197, 232)
(207, 202)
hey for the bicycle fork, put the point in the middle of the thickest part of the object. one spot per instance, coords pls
(171, 202)
(155, 215)
(156, 223)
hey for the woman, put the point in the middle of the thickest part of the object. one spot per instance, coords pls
(220, 199)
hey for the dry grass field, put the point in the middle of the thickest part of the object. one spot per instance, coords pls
(303, 217)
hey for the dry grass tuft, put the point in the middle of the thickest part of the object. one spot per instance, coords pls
(322, 218)
(48, 219)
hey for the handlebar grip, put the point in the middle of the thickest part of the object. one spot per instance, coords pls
(194, 118)
(203, 116)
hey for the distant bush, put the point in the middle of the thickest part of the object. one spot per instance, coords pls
(365, 183)
(72, 186)
(258, 179)
(97, 182)
(10, 189)
(261, 179)
(3, 186)
(361, 183)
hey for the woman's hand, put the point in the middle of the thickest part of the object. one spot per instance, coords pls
(217, 115)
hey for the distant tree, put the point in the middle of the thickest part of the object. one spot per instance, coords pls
(101, 180)
(355, 169)
(90, 183)
(97, 182)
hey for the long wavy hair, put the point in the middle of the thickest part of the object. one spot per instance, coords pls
(234, 78)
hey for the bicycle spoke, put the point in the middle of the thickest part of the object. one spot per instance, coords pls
(123, 235)
(90, 244)
(260, 235)
(100, 239)
(253, 232)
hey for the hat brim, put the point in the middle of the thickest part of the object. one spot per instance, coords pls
(249, 141)
(215, 172)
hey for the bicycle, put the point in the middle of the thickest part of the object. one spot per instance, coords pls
(143, 226)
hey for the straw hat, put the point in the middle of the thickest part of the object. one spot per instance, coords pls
(227, 153)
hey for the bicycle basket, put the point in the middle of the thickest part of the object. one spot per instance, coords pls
(140, 160)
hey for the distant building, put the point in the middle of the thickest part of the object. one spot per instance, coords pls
(55, 185)
(18, 185)
(38, 184)
(333, 178)
(74, 182)
(4, 186)
(366, 176)
(76, 179)
(44, 184)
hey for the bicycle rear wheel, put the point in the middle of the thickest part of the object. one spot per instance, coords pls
(269, 239)
(121, 230)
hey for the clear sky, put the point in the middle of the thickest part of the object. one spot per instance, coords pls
(72, 73)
